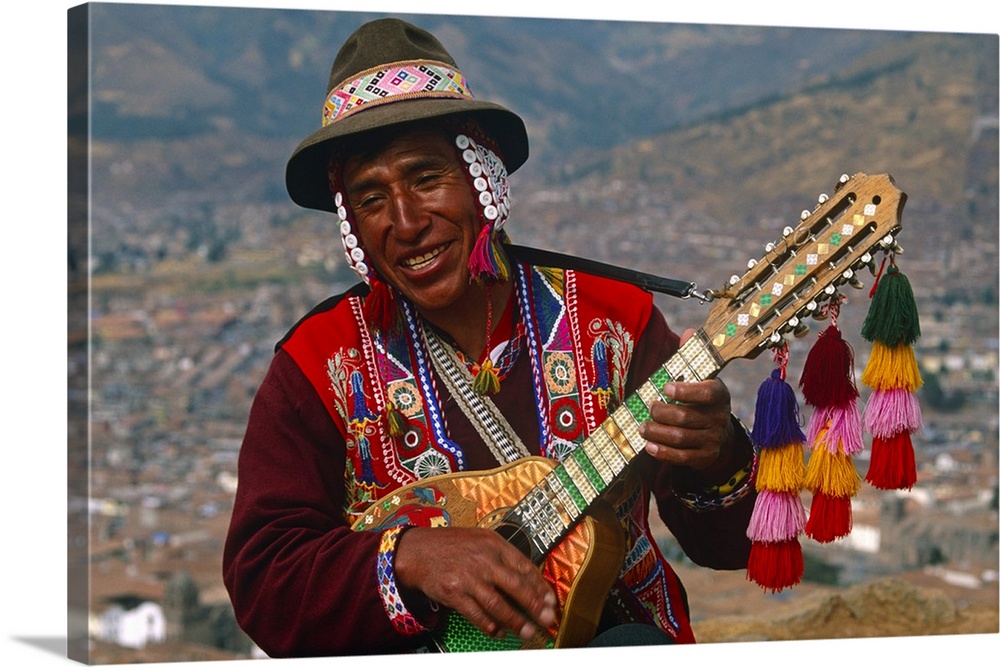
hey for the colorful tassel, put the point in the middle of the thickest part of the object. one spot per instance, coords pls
(778, 516)
(488, 262)
(835, 432)
(380, 307)
(395, 420)
(893, 412)
(487, 380)
(775, 566)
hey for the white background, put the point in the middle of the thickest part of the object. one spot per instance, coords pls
(33, 306)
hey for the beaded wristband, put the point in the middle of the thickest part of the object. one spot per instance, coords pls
(718, 497)
(400, 617)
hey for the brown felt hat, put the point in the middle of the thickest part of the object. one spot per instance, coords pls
(387, 73)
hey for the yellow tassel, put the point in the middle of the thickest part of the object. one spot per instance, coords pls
(395, 419)
(487, 381)
(831, 474)
(892, 368)
(781, 469)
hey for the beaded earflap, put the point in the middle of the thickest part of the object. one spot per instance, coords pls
(488, 177)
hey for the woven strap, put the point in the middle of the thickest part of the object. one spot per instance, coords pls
(484, 415)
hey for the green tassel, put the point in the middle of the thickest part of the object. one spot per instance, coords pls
(396, 420)
(486, 382)
(892, 317)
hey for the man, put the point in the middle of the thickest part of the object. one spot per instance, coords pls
(453, 355)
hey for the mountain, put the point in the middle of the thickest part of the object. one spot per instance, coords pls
(643, 135)
(228, 92)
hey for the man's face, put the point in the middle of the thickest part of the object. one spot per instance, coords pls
(416, 217)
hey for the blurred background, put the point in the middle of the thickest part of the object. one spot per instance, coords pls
(673, 148)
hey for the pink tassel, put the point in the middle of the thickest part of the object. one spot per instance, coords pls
(845, 430)
(777, 517)
(890, 411)
(480, 261)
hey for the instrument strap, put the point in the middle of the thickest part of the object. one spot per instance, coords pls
(539, 257)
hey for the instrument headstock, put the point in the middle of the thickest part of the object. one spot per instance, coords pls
(806, 266)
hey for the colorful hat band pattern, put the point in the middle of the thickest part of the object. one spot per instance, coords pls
(392, 83)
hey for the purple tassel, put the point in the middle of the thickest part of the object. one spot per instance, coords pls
(891, 411)
(776, 517)
(776, 417)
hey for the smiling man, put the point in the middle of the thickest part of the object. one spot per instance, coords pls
(453, 356)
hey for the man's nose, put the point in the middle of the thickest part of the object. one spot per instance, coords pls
(410, 218)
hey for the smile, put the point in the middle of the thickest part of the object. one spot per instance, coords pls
(421, 261)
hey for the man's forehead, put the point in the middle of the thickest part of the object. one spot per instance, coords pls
(410, 149)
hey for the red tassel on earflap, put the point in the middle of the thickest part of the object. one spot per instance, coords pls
(834, 432)
(893, 412)
(380, 307)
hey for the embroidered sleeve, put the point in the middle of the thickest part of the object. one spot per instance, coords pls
(404, 621)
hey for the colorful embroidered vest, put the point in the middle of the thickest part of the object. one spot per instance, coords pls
(580, 332)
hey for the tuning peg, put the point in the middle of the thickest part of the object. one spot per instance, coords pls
(856, 283)
(822, 199)
(733, 279)
(775, 339)
(801, 331)
(752, 263)
(804, 214)
(841, 181)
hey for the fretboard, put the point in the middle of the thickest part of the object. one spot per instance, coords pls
(562, 498)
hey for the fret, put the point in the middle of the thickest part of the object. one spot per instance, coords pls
(589, 469)
(566, 503)
(601, 441)
(550, 489)
(694, 361)
(580, 479)
(603, 468)
(570, 488)
(648, 393)
(630, 429)
(610, 426)
(540, 517)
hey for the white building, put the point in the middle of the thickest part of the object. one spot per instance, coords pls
(132, 622)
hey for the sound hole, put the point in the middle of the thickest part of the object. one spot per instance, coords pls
(518, 536)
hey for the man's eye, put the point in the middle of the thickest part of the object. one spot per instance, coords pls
(366, 202)
(429, 178)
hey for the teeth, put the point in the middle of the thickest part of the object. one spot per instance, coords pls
(415, 262)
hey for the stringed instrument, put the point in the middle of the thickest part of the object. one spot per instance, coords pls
(554, 512)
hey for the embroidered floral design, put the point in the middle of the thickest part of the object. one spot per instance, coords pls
(406, 398)
(560, 374)
(612, 355)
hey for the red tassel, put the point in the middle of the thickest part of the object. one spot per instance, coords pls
(380, 306)
(775, 565)
(828, 374)
(893, 464)
(830, 518)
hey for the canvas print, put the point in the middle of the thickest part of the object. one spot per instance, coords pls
(421, 333)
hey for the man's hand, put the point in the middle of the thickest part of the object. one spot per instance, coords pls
(478, 574)
(696, 431)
